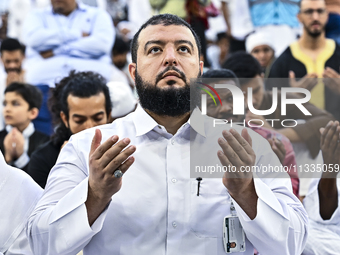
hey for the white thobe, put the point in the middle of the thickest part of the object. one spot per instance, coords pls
(324, 235)
(18, 195)
(157, 210)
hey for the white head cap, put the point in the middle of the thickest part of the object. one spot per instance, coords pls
(122, 98)
(257, 39)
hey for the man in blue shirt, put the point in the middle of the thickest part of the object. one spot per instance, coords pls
(69, 35)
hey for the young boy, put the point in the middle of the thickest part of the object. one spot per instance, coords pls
(19, 139)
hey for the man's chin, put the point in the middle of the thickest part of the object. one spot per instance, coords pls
(169, 83)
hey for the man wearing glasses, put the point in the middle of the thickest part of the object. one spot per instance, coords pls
(311, 57)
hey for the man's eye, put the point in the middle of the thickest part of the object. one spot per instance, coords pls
(98, 119)
(184, 49)
(79, 122)
(155, 50)
(229, 99)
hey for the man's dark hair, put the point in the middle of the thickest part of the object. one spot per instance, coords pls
(81, 84)
(244, 65)
(219, 73)
(165, 20)
(120, 46)
(11, 44)
(31, 94)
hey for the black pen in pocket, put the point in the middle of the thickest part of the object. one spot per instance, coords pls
(199, 179)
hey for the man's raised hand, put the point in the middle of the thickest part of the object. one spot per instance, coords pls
(237, 151)
(330, 148)
(104, 159)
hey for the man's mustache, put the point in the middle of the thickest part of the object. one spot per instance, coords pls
(316, 23)
(16, 70)
(170, 68)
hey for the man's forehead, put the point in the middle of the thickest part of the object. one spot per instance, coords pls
(170, 33)
(8, 53)
(312, 3)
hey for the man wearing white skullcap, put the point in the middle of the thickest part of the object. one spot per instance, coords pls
(260, 46)
(18, 195)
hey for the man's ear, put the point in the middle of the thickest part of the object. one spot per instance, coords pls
(64, 119)
(33, 113)
(299, 16)
(201, 66)
(132, 70)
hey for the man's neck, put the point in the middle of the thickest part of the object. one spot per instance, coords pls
(308, 42)
(171, 124)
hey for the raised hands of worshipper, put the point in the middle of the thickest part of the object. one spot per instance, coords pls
(237, 151)
(13, 76)
(107, 163)
(332, 79)
(14, 145)
(278, 148)
(330, 148)
(309, 81)
(327, 188)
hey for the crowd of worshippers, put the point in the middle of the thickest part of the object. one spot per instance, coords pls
(70, 65)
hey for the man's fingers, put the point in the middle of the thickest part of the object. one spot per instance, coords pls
(126, 165)
(280, 145)
(229, 152)
(326, 134)
(280, 148)
(321, 130)
(118, 160)
(223, 159)
(97, 138)
(238, 145)
(100, 149)
(335, 137)
(247, 137)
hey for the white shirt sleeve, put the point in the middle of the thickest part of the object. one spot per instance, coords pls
(276, 218)
(99, 42)
(22, 160)
(49, 230)
(42, 38)
(20, 246)
(280, 225)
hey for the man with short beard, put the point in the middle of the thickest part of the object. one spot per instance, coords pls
(311, 57)
(12, 56)
(159, 209)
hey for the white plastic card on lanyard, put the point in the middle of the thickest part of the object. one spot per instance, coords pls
(233, 234)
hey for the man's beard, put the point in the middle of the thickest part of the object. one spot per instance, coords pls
(173, 102)
(316, 33)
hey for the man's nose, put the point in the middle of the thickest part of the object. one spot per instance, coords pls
(170, 57)
(12, 64)
(89, 124)
(315, 16)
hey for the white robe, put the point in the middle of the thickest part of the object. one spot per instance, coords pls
(18, 195)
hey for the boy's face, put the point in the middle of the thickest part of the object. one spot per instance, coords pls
(16, 111)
